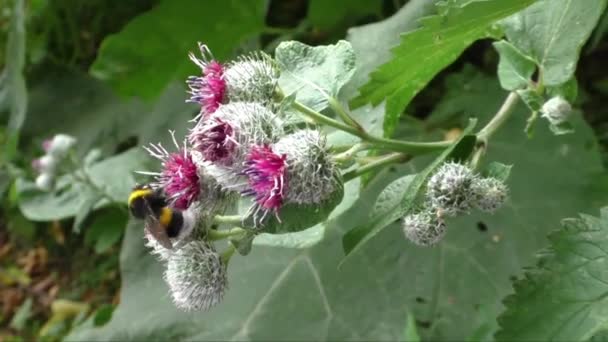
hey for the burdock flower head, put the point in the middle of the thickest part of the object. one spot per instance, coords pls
(225, 137)
(179, 177)
(312, 174)
(252, 78)
(297, 169)
(196, 276)
(209, 89)
(265, 171)
(249, 78)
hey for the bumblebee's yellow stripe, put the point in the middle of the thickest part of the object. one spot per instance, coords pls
(165, 216)
(137, 194)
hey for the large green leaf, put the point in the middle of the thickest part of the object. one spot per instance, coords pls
(514, 69)
(565, 296)
(453, 290)
(552, 32)
(426, 51)
(152, 50)
(314, 73)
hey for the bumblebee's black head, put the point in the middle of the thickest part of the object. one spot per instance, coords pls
(144, 201)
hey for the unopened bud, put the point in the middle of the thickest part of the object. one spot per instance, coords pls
(45, 164)
(196, 276)
(450, 189)
(45, 181)
(557, 110)
(491, 194)
(60, 145)
(424, 228)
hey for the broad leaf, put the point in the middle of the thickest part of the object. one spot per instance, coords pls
(552, 32)
(453, 290)
(514, 68)
(314, 73)
(564, 296)
(426, 51)
(152, 50)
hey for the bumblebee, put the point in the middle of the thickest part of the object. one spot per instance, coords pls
(160, 220)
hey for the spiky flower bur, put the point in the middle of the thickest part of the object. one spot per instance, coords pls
(251, 78)
(491, 194)
(224, 138)
(450, 190)
(312, 175)
(265, 172)
(424, 228)
(209, 89)
(178, 178)
(557, 110)
(196, 276)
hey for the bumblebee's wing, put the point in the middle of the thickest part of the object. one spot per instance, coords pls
(156, 229)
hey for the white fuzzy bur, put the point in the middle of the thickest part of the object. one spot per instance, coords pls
(424, 228)
(252, 78)
(557, 110)
(311, 174)
(196, 276)
(450, 190)
(491, 194)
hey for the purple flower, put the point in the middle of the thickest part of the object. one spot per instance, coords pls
(265, 171)
(209, 89)
(179, 175)
(215, 140)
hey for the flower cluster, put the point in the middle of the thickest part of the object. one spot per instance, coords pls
(56, 149)
(238, 146)
(453, 190)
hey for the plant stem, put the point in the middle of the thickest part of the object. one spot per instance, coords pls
(348, 154)
(375, 165)
(228, 219)
(347, 118)
(410, 147)
(499, 118)
(227, 254)
(215, 235)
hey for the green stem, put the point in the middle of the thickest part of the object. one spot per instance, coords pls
(414, 148)
(499, 118)
(214, 235)
(348, 154)
(228, 219)
(375, 165)
(227, 254)
(347, 118)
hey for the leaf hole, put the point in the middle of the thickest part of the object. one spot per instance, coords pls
(420, 300)
(482, 227)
